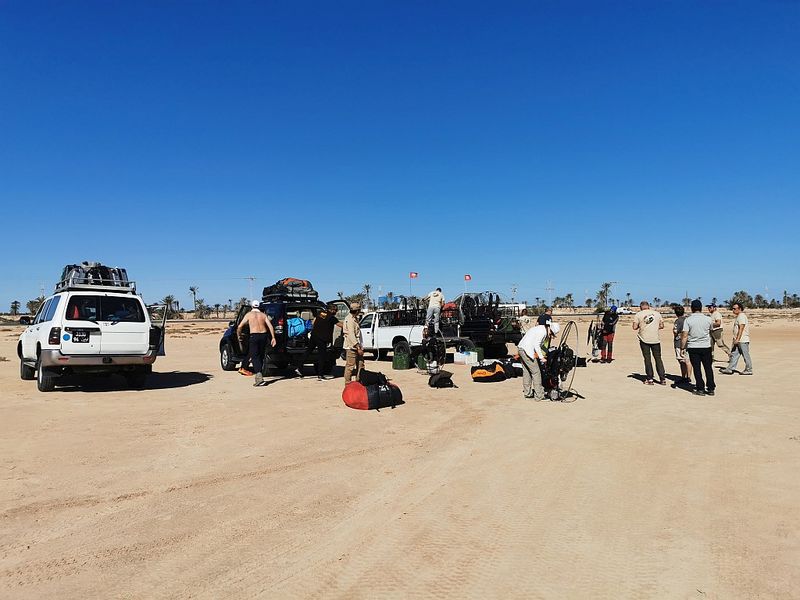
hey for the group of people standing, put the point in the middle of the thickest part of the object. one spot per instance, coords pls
(694, 338)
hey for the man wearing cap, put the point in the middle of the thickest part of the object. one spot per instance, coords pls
(716, 331)
(259, 324)
(696, 339)
(531, 352)
(352, 343)
(610, 319)
(648, 323)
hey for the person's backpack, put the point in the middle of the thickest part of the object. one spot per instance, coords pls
(295, 326)
(361, 397)
(442, 379)
(488, 373)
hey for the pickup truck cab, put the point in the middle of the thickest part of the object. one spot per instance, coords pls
(90, 329)
(395, 330)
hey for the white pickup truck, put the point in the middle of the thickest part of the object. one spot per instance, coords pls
(395, 330)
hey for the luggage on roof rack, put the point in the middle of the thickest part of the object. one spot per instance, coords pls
(93, 275)
(290, 287)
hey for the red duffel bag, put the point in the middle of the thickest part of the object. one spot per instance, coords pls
(361, 397)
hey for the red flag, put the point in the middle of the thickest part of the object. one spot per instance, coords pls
(467, 277)
(413, 275)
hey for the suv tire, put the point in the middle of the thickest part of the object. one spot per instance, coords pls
(26, 372)
(45, 379)
(226, 358)
(136, 380)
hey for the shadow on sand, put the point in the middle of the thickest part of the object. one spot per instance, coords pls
(116, 383)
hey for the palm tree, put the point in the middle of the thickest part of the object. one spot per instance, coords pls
(569, 300)
(367, 290)
(15, 307)
(242, 302)
(216, 307)
(33, 305)
(628, 298)
(602, 295)
(194, 289)
(589, 303)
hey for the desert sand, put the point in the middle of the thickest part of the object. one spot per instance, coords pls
(206, 487)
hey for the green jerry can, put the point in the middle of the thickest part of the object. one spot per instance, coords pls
(422, 364)
(401, 361)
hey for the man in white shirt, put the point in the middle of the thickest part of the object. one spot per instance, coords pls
(530, 354)
(435, 303)
(741, 342)
(648, 323)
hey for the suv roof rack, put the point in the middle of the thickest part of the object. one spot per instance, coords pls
(292, 295)
(91, 284)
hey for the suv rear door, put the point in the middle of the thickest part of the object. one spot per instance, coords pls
(81, 333)
(124, 325)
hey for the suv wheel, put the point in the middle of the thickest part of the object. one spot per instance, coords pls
(26, 372)
(45, 379)
(136, 379)
(226, 358)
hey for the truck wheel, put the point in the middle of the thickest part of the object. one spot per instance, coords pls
(45, 379)
(401, 347)
(226, 358)
(136, 380)
(25, 372)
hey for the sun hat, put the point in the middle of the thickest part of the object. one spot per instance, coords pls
(255, 304)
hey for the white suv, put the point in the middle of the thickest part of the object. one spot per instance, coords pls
(89, 330)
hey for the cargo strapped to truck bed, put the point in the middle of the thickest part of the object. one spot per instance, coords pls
(95, 276)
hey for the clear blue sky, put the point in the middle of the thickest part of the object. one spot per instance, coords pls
(654, 144)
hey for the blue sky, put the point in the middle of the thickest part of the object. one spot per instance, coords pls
(653, 144)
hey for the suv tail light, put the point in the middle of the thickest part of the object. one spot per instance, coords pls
(54, 339)
(279, 326)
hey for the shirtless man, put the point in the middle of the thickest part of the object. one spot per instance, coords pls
(259, 325)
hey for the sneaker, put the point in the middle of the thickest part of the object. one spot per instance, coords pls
(245, 372)
(726, 371)
(662, 382)
(602, 361)
(327, 377)
(747, 372)
(259, 379)
(648, 382)
(709, 392)
(298, 372)
(609, 360)
(319, 377)
(699, 393)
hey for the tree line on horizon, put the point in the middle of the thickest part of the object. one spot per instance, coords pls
(599, 302)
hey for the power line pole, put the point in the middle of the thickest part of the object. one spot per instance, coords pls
(513, 292)
(251, 279)
(549, 290)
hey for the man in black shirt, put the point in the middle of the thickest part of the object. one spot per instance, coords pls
(610, 319)
(321, 339)
(545, 317)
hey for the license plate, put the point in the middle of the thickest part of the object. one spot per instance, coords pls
(80, 336)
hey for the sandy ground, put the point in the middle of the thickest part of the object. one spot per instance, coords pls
(207, 487)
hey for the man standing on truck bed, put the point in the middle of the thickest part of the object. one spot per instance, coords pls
(259, 324)
(321, 338)
(435, 303)
(354, 358)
